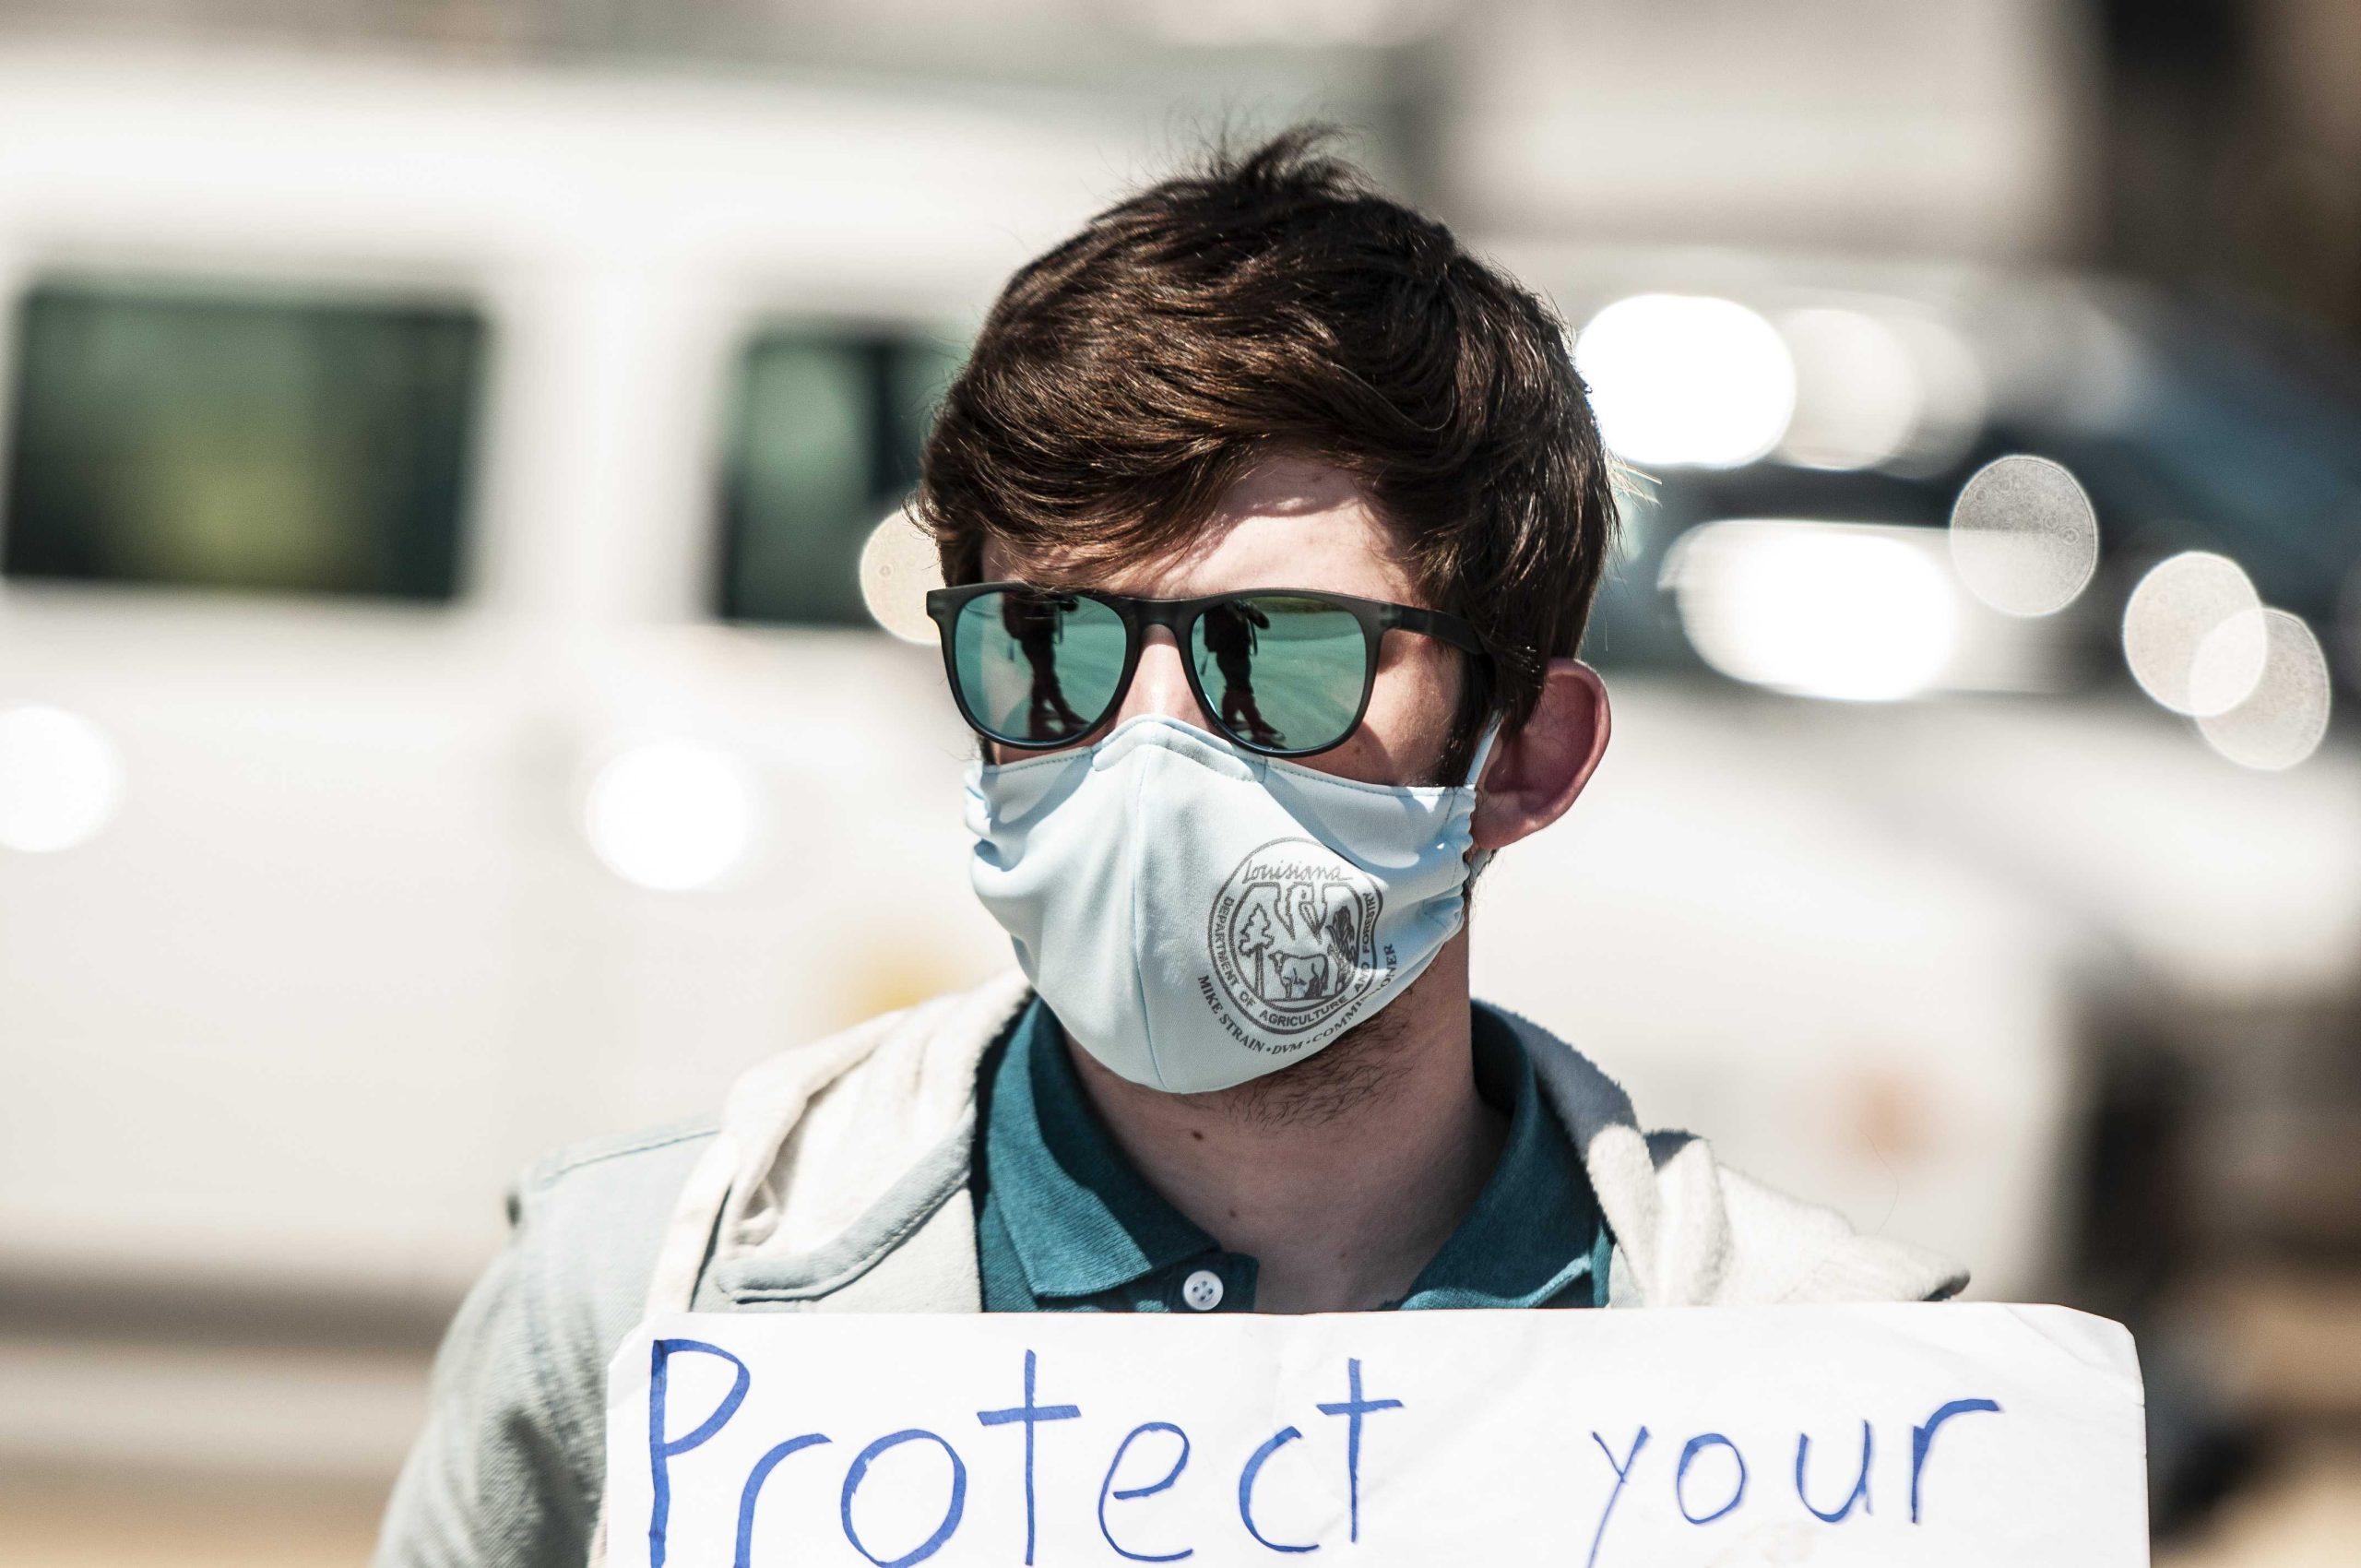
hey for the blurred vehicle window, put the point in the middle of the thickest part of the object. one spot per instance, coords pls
(825, 426)
(195, 437)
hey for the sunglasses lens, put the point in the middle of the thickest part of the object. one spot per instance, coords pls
(1036, 668)
(1282, 673)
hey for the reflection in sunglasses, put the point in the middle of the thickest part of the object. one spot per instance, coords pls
(1037, 625)
(1228, 630)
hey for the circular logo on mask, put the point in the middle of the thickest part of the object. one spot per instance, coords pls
(1293, 939)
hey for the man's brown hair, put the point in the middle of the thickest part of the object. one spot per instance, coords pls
(1267, 302)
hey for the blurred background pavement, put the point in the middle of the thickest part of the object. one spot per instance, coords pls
(456, 693)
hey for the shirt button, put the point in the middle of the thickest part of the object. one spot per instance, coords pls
(1201, 1291)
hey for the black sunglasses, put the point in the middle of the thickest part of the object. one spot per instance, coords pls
(1281, 671)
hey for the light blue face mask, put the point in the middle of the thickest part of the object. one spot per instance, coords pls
(1196, 915)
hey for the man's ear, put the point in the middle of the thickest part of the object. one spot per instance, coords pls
(1535, 772)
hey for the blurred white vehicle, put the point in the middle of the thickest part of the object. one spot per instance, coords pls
(440, 717)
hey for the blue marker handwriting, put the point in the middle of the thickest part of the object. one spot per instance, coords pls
(1133, 1467)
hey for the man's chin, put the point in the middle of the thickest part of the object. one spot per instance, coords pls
(1347, 1075)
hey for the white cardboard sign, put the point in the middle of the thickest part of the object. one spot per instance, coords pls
(1964, 1433)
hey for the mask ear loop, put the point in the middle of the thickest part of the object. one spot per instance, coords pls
(1483, 753)
(1482, 857)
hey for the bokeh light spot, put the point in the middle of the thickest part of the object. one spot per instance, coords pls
(2285, 715)
(2024, 539)
(1859, 393)
(61, 778)
(899, 564)
(1681, 379)
(671, 814)
(2181, 602)
(1824, 610)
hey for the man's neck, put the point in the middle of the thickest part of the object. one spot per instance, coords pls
(1341, 1176)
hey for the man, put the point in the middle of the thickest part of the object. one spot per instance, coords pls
(1272, 519)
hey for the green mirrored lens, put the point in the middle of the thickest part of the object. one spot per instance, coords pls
(1036, 668)
(1281, 672)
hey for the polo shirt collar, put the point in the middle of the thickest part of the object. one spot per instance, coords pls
(1534, 1227)
(1082, 1221)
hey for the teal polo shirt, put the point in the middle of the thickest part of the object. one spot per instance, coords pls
(1064, 1223)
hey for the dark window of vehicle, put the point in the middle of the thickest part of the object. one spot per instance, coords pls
(260, 442)
(824, 432)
